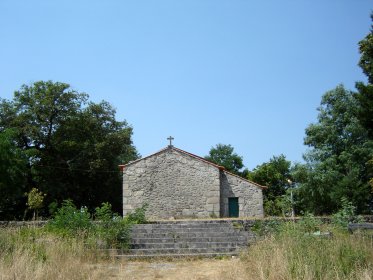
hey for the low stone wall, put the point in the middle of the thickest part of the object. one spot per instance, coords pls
(238, 222)
(15, 224)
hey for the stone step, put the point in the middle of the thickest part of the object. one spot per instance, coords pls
(163, 251)
(183, 225)
(176, 239)
(174, 256)
(136, 240)
(182, 230)
(188, 245)
(179, 235)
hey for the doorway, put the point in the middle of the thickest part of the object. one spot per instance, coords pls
(233, 209)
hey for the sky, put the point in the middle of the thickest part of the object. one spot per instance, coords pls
(241, 72)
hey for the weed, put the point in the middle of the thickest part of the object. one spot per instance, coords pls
(266, 227)
(309, 223)
(346, 215)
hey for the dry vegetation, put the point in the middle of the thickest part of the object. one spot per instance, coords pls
(35, 254)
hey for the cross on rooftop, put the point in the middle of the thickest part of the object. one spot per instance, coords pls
(170, 139)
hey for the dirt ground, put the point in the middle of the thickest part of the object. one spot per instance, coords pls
(178, 269)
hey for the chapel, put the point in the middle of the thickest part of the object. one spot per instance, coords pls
(177, 184)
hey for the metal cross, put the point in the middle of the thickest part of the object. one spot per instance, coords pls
(170, 138)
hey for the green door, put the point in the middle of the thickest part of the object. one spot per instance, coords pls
(233, 207)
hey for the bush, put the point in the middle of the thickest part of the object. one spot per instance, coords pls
(309, 223)
(138, 216)
(266, 227)
(346, 215)
(68, 220)
(108, 229)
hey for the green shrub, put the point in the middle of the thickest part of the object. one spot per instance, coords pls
(69, 220)
(138, 216)
(110, 228)
(308, 223)
(347, 214)
(266, 227)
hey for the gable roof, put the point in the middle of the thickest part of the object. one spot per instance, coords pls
(221, 168)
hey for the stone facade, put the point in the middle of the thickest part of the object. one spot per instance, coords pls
(177, 184)
(250, 196)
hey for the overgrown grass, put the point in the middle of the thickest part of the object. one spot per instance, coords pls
(35, 254)
(286, 250)
(292, 252)
(67, 247)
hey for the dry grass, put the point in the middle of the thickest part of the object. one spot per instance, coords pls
(34, 254)
(290, 255)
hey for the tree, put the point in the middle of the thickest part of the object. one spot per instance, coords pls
(35, 200)
(336, 163)
(225, 156)
(364, 96)
(73, 146)
(276, 175)
(366, 50)
(13, 164)
(365, 92)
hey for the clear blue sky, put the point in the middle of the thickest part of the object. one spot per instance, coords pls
(246, 73)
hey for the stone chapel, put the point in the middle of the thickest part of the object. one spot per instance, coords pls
(177, 184)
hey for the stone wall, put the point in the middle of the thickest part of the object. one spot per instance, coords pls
(173, 184)
(250, 196)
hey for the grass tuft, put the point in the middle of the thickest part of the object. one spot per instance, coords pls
(293, 253)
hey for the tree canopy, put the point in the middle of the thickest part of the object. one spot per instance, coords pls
(13, 173)
(73, 146)
(364, 96)
(225, 156)
(336, 163)
(276, 175)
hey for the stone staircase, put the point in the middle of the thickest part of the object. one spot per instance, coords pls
(186, 239)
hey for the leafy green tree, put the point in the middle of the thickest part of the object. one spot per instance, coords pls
(13, 163)
(73, 146)
(365, 92)
(35, 199)
(364, 96)
(336, 163)
(225, 156)
(276, 175)
(366, 50)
